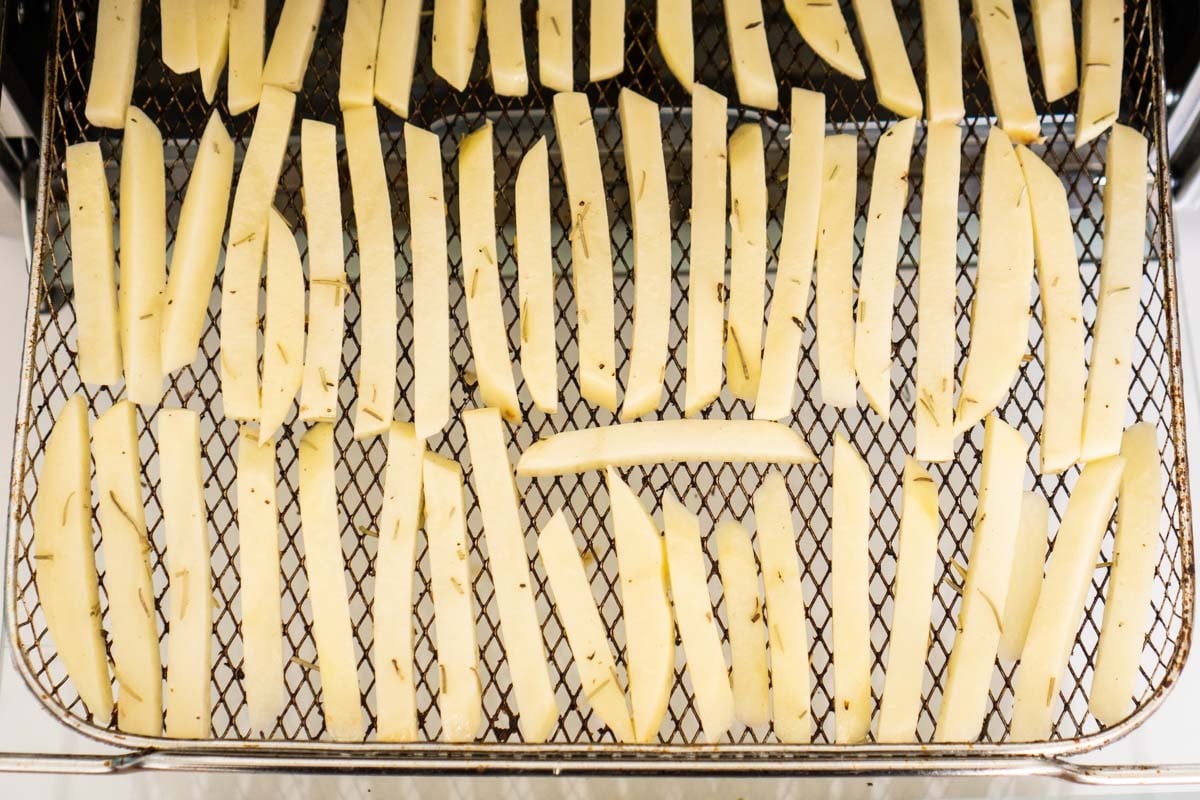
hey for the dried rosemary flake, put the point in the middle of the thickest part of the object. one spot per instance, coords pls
(303, 663)
(596, 689)
(1105, 564)
(733, 339)
(642, 186)
(1050, 691)
(1120, 289)
(183, 576)
(396, 666)
(1001, 12)
(950, 582)
(1104, 118)
(995, 611)
(67, 507)
(126, 688)
(370, 412)
(834, 173)
(524, 320)
(142, 600)
(457, 585)
(960, 569)
(249, 237)
(487, 254)
(113, 497)
(474, 283)
(282, 352)
(754, 25)
(554, 23)
(43, 556)
(365, 531)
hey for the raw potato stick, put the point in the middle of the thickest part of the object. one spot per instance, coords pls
(797, 247)
(292, 44)
(752, 70)
(189, 571)
(664, 441)
(895, 83)
(1119, 305)
(556, 64)
(247, 34)
(606, 28)
(1055, 624)
(179, 52)
(646, 177)
(212, 43)
(591, 251)
(823, 28)
(132, 616)
(65, 559)
(93, 266)
(673, 32)
(1055, 34)
(395, 63)
(431, 281)
(1103, 53)
(747, 630)
(942, 29)
(985, 591)
(1004, 62)
(325, 569)
(706, 271)
(748, 261)
(114, 62)
(360, 42)
(877, 278)
(506, 48)
(535, 278)
(851, 578)
(1025, 583)
(508, 566)
(835, 273)
(455, 37)
(283, 329)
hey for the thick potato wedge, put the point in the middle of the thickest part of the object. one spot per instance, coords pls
(744, 621)
(114, 62)
(1055, 34)
(823, 27)
(360, 45)
(1004, 62)
(283, 329)
(753, 72)
(179, 52)
(535, 278)
(606, 32)
(941, 25)
(1103, 53)
(395, 63)
(835, 273)
(673, 31)
(895, 83)
(455, 37)
(1025, 583)
(555, 31)
(748, 261)
(247, 41)
(292, 44)
(851, 604)
(212, 43)
(506, 47)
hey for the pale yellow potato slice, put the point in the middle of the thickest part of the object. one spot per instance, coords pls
(283, 328)
(114, 62)
(143, 217)
(508, 566)
(797, 247)
(395, 63)
(455, 38)
(189, 571)
(895, 84)
(752, 70)
(212, 43)
(556, 62)
(1004, 62)
(646, 177)
(535, 278)
(1000, 310)
(327, 286)
(985, 591)
(787, 628)
(1062, 314)
(459, 686)
(851, 603)
(1055, 34)
(941, 26)
(1119, 305)
(744, 621)
(912, 603)
(376, 274)
(1055, 624)
(93, 266)
(197, 246)
(255, 192)
(325, 569)
(260, 590)
(823, 27)
(132, 618)
(1025, 583)
(673, 31)
(698, 631)
(247, 35)
(606, 31)
(360, 42)
(748, 261)
(506, 48)
(591, 249)
(664, 441)
(65, 561)
(877, 277)
(649, 626)
(179, 52)
(431, 281)
(292, 44)
(392, 606)
(580, 620)
(937, 275)
(1130, 582)
(706, 267)
(1103, 55)
(835, 272)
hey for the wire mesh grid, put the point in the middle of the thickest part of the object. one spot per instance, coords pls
(716, 491)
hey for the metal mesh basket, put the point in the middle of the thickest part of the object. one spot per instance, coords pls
(719, 491)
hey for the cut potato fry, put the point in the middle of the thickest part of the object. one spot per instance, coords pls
(1103, 53)
(283, 334)
(985, 591)
(646, 177)
(260, 591)
(190, 621)
(706, 267)
(744, 621)
(606, 28)
(247, 35)
(1000, 310)
(1055, 34)
(895, 84)
(1004, 62)
(912, 603)
(787, 629)
(752, 70)
(823, 28)
(797, 247)
(376, 274)
(179, 52)
(1119, 305)
(212, 43)
(556, 63)
(698, 631)
(1055, 623)
(431, 281)
(877, 277)
(395, 63)
(580, 620)
(661, 442)
(649, 627)
(132, 617)
(1062, 314)
(197, 246)
(535, 276)
(65, 561)
(93, 266)
(673, 31)
(508, 566)
(292, 44)
(481, 273)
(506, 48)
(835, 272)
(360, 43)
(327, 285)
(851, 604)
(937, 274)
(1029, 561)
(143, 216)
(942, 29)
(392, 607)
(459, 691)
(1130, 583)
(591, 250)
(325, 569)
(114, 62)
(455, 38)
(748, 261)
